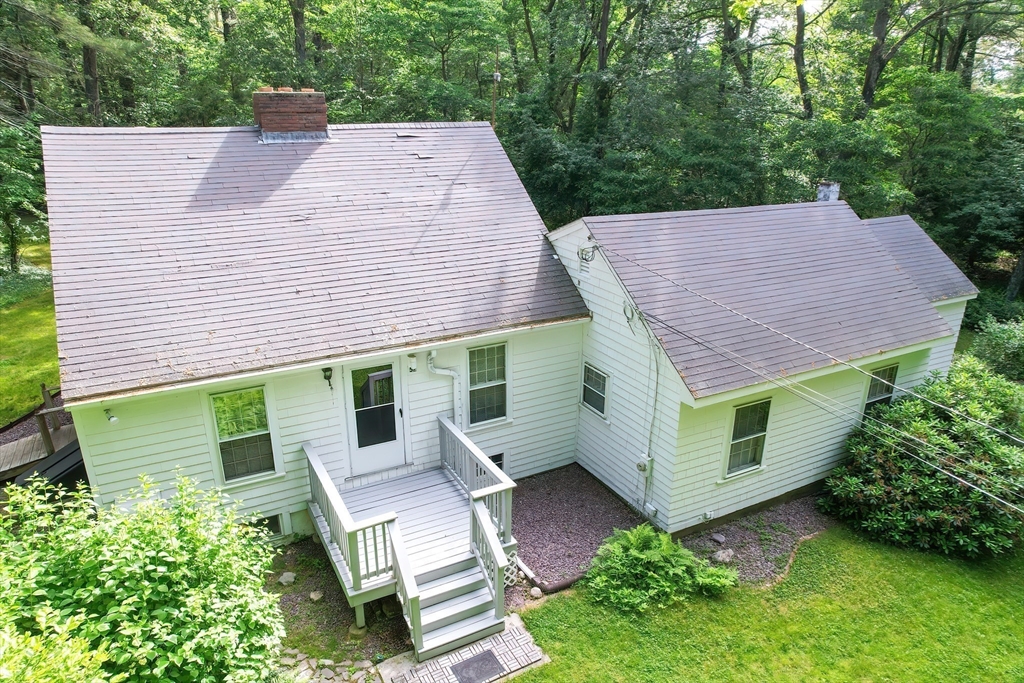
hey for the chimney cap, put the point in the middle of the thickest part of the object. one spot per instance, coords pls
(828, 191)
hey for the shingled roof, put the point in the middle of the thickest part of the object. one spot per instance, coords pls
(920, 258)
(181, 254)
(813, 271)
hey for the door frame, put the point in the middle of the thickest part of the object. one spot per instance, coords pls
(390, 448)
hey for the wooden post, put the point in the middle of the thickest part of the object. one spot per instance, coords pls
(44, 432)
(48, 404)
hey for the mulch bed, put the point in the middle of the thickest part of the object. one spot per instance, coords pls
(27, 425)
(561, 517)
(763, 542)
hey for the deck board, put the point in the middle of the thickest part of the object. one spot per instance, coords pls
(17, 455)
(432, 509)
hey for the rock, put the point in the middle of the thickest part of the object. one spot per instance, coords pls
(326, 662)
(312, 663)
(358, 676)
(347, 662)
(356, 633)
(302, 656)
(287, 661)
(723, 556)
(535, 593)
(316, 596)
(287, 579)
(363, 664)
(718, 538)
(326, 674)
(391, 608)
(291, 651)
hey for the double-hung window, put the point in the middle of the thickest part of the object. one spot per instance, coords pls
(488, 388)
(749, 429)
(880, 391)
(595, 388)
(243, 433)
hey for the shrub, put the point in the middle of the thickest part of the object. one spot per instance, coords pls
(894, 497)
(169, 590)
(991, 303)
(51, 656)
(1001, 346)
(642, 568)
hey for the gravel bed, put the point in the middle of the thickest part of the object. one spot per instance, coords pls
(29, 427)
(762, 542)
(561, 517)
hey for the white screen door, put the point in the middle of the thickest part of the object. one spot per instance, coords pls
(375, 419)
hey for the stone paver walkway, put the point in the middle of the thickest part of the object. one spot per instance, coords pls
(514, 649)
(307, 669)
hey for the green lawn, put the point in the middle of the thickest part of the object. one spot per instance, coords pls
(851, 610)
(28, 354)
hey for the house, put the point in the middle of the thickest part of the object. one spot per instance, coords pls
(366, 332)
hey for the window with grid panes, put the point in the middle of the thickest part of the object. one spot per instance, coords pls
(880, 390)
(749, 428)
(595, 388)
(243, 433)
(488, 396)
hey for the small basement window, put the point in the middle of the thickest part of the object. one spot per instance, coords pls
(243, 433)
(880, 391)
(499, 460)
(749, 429)
(488, 399)
(271, 524)
(595, 388)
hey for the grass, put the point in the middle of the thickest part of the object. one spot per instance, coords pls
(850, 610)
(28, 354)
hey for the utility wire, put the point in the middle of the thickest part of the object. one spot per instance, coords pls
(788, 386)
(815, 350)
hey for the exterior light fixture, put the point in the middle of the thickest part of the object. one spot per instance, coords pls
(328, 373)
(112, 419)
(412, 362)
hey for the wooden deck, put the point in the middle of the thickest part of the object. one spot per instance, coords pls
(18, 455)
(433, 511)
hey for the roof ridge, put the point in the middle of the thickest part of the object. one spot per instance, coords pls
(172, 130)
(728, 210)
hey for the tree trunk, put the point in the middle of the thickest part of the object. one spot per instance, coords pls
(800, 63)
(940, 44)
(90, 68)
(11, 238)
(876, 58)
(1016, 279)
(956, 47)
(298, 8)
(529, 30)
(967, 71)
(603, 87)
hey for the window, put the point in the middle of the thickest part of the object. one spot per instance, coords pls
(272, 524)
(243, 433)
(595, 388)
(488, 398)
(749, 427)
(373, 397)
(880, 390)
(499, 460)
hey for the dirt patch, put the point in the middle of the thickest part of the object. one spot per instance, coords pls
(320, 628)
(560, 518)
(763, 542)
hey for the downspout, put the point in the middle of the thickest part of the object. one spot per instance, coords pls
(456, 385)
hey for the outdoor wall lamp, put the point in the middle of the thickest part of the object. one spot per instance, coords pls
(112, 419)
(328, 373)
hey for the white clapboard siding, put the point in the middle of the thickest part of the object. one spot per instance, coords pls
(942, 352)
(173, 430)
(611, 447)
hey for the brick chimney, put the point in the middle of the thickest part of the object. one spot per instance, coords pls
(285, 115)
(828, 191)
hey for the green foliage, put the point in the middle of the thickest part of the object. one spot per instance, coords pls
(641, 568)
(26, 282)
(169, 590)
(883, 490)
(21, 191)
(1001, 346)
(991, 304)
(49, 654)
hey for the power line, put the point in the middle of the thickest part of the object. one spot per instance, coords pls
(789, 387)
(815, 350)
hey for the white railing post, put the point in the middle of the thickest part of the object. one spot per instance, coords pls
(405, 584)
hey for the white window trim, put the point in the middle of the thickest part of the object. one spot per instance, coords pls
(729, 476)
(467, 410)
(607, 390)
(214, 440)
(867, 384)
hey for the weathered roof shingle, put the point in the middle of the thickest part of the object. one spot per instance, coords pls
(181, 254)
(813, 271)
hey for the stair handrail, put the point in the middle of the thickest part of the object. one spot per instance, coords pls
(490, 555)
(373, 558)
(407, 591)
(477, 475)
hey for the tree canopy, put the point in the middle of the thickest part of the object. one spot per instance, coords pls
(603, 105)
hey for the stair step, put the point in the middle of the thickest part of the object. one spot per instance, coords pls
(450, 586)
(452, 636)
(445, 567)
(456, 609)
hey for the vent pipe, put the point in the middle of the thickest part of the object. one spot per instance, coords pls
(828, 192)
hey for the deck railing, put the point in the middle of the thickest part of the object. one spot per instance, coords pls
(405, 585)
(480, 477)
(368, 547)
(490, 555)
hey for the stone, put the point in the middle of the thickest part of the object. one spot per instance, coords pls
(291, 651)
(326, 674)
(363, 664)
(391, 608)
(312, 663)
(347, 662)
(522, 576)
(287, 661)
(316, 596)
(287, 579)
(356, 633)
(326, 662)
(723, 556)
(358, 676)
(718, 538)
(302, 656)
(535, 593)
